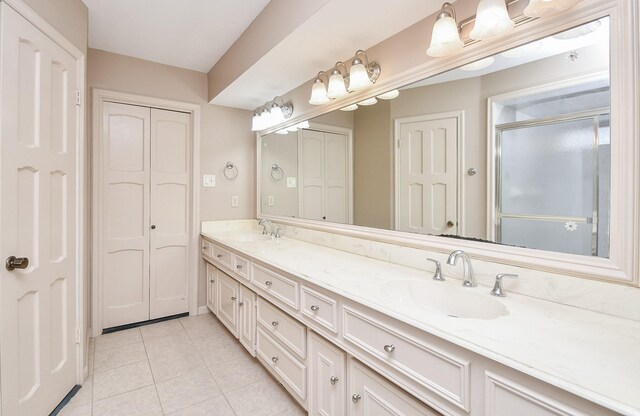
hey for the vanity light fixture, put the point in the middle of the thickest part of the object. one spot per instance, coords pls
(362, 75)
(270, 114)
(351, 107)
(319, 91)
(337, 87)
(543, 8)
(445, 37)
(368, 101)
(389, 95)
(492, 20)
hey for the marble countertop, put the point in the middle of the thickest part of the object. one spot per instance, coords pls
(592, 355)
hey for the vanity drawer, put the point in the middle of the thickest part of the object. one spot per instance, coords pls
(291, 371)
(276, 286)
(320, 308)
(438, 371)
(221, 255)
(206, 248)
(291, 333)
(240, 266)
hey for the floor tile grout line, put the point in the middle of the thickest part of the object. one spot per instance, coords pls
(155, 385)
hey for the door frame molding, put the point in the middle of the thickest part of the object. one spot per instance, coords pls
(81, 62)
(99, 97)
(397, 124)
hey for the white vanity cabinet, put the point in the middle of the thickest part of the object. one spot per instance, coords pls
(372, 395)
(327, 378)
(212, 273)
(247, 319)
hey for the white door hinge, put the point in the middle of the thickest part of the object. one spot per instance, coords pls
(78, 98)
(77, 335)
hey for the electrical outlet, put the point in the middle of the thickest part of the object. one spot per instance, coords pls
(271, 200)
(208, 181)
(291, 181)
(234, 201)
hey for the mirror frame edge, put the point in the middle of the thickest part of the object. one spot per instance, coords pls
(623, 265)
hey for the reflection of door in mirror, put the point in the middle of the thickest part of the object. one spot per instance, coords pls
(426, 173)
(324, 176)
(551, 167)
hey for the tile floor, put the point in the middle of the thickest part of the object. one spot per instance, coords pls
(184, 367)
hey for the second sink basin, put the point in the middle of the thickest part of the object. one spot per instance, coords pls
(442, 298)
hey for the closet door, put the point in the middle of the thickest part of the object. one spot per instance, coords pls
(170, 193)
(311, 160)
(124, 228)
(335, 178)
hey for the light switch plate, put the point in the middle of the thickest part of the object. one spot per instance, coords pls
(271, 200)
(234, 201)
(208, 181)
(291, 181)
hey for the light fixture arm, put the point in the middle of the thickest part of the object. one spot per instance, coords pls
(287, 108)
(445, 13)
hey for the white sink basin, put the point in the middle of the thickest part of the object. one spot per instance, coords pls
(251, 238)
(440, 297)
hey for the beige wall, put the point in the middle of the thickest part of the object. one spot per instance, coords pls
(225, 133)
(69, 17)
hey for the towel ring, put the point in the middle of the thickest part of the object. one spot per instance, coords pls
(277, 173)
(230, 171)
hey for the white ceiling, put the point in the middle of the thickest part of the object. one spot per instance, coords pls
(190, 34)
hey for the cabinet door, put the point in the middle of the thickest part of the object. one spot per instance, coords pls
(211, 288)
(247, 330)
(228, 302)
(372, 395)
(327, 378)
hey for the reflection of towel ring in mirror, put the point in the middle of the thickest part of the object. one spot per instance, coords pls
(230, 171)
(277, 173)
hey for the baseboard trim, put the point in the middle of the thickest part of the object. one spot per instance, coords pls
(203, 310)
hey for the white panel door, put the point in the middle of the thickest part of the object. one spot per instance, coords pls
(327, 378)
(228, 292)
(170, 194)
(38, 218)
(427, 176)
(323, 166)
(247, 327)
(126, 147)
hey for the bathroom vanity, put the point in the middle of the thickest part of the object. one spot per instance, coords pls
(347, 334)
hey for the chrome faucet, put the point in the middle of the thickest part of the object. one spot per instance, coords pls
(469, 277)
(263, 223)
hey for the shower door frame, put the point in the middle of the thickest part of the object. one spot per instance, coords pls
(498, 215)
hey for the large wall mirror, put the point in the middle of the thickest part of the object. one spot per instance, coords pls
(513, 149)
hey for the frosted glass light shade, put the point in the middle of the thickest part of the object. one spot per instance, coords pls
(492, 20)
(336, 88)
(351, 107)
(542, 8)
(277, 116)
(283, 131)
(389, 95)
(303, 125)
(255, 123)
(318, 94)
(368, 101)
(265, 119)
(445, 39)
(358, 77)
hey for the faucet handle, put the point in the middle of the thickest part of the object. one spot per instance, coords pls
(276, 231)
(438, 273)
(497, 288)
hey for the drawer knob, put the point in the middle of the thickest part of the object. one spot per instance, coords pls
(240, 304)
(212, 281)
(238, 266)
(219, 256)
(334, 380)
(389, 348)
(315, 308)
(204, 248)
(274, 359)
(234, 298)
(268, 283)
(356, 398)
(274, 323)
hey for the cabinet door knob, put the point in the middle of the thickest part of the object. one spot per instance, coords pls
(233, 298)
(274, 359)
(240, 304)
(356, 398)
(274, 323)
(315, 308)
(219, 256)
(389, 348)
(334, 380)
(238, 266)
(212, 281)
(153, 227)
(268, 283)
(204, 248)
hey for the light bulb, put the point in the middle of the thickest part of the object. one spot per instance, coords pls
(492, 20)
(318, 93)
(445, 39)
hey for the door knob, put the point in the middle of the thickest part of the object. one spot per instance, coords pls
(153, 227)
(14, 262)
(449, 224)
